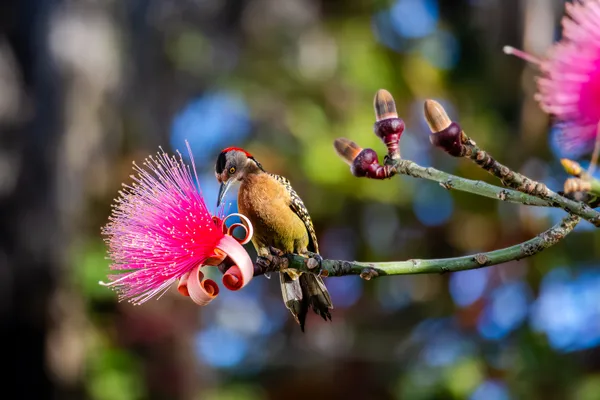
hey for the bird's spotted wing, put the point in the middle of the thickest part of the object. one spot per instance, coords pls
(308, 291)
(299, 208)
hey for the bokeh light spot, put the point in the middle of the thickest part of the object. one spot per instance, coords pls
(507, 308)
(220, 347)
(466, 287)
(567, 309)
(393, 293)
(385, 33)
(447, 348)
(432, 205)
(441, 49)
(414, 18)
(345, 291)
(490, 390)
(209, 123)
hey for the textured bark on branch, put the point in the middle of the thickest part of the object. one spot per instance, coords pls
(449, 181)
(456, 143)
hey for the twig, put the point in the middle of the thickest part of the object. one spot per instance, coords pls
(368, 271)
(507, 176)
(526, 185)
(448, 135)
(449, 181)
(364, 162)
(463, 146)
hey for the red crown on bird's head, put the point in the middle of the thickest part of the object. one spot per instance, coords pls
(222, 159)
(233, 148)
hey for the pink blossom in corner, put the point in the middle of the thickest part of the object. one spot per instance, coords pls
(161, 231)
(569, 88)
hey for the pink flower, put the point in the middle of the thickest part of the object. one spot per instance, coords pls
(569, 87)
(160, 231)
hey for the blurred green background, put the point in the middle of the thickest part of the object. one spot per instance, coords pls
(87, 87)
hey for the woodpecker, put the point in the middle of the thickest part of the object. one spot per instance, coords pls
(280, 220)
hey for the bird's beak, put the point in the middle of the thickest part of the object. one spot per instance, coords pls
(223, 191)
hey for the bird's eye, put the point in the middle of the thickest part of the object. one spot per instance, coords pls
(232, 170)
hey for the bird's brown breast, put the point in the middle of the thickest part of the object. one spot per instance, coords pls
(266, 202)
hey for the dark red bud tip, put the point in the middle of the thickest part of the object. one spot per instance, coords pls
(366, 164)
(449, 139)
(363, 162)
(389, 129)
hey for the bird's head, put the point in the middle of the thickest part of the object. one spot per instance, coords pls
(233, 164)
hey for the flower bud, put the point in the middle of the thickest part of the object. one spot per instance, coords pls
(347, 149)
(445, 134)
(366, 164)
(572, 167)
(449, 140)
(389, 127)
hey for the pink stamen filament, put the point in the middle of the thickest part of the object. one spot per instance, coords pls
(521, 54)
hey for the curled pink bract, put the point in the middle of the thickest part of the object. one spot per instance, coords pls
(242, 270)
(201, 291)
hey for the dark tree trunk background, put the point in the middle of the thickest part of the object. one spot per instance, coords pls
(32, 238)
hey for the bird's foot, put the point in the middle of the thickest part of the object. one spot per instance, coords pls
(276, 252)
(314, 260)
(275, 260)
(264, 262)
(265, 265)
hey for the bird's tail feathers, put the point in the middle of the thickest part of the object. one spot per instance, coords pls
(307, 291)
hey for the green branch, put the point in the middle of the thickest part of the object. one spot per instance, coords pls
(449, 181)
(449, 136)
(368, 270)
(524, 184)
(365, 163)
